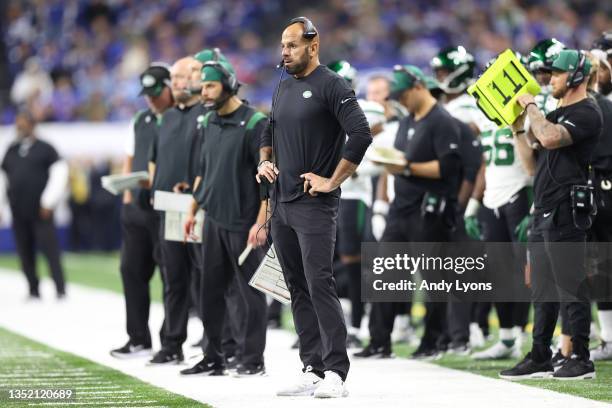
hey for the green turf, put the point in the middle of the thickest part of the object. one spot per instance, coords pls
(95, 270)
(599, 389)
(28, 365)
(102, 271)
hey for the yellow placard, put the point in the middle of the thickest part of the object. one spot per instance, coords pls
(498, 87)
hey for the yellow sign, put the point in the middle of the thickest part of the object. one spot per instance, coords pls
(498, 87)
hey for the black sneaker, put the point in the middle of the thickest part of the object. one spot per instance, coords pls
(131, 351)
(558, 360)
(371, 351)
(353, 341)
(528, 369)
(232, 362)
(459, 349)
(575, 369)
(425, 353)
(250, 370)
(164, 356)
(205, 367)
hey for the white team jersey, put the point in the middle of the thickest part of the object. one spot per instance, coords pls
(464, 108)
(504, 175)
(386, 138)
(545, 101)
(360, 187)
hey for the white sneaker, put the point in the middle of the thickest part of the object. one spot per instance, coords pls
(305, 385)
(497, 351)
(476, 336)
(332, 386)
(602, 352)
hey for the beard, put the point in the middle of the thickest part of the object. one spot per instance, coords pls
(219, 102)
(300, 66)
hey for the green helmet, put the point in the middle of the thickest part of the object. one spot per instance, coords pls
(460, 65)
(344, 69)
(542, 55)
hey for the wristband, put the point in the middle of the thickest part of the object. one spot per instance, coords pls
(262, 162)
(531, 103)
(380, 207)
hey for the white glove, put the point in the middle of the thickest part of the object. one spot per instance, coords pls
(379, 223)
(472, 208)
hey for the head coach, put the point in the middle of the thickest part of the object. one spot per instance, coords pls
(564, 209)
(312, 111)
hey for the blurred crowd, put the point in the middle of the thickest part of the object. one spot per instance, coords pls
(79, 60)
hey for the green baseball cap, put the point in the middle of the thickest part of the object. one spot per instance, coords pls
(210, 54)
(215, 73)
(568, 60)
(404, 77)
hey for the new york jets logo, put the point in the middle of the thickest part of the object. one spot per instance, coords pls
(148, 81)
(410, 133)
(307, 94)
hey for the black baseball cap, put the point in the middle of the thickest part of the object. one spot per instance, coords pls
(154, 78)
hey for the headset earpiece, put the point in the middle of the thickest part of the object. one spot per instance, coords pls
(577, 76)
(230, 82)
(310, 31)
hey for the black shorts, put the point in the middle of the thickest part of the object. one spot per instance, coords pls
(353, 226)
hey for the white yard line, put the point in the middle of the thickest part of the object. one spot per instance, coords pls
(90, 322)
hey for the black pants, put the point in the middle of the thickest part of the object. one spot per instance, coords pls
(140, 254)
(33, 233)
(601, 232)
(304, 233)
(181, 264)
(220, 251)
(499, 226)
(353, 229)
(410, 227)
(562, 271)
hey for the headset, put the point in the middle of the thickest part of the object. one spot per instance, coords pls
(577, 76)
(310, 31)
(229, 81)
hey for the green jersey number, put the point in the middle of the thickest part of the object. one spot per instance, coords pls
(500, 150)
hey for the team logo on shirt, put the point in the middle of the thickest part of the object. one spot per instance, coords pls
(307, 94)
(410, 133)
(453, 145)
(148, 119)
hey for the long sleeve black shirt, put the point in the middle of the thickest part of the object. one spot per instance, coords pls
(312, 116)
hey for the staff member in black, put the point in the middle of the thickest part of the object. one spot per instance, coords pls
(169, 165)
(235, 217)
(429, 137)
(568, 137)
(313, 110)
(37, 178)
(140, 251)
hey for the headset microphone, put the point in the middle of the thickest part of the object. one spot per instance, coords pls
(280, 64)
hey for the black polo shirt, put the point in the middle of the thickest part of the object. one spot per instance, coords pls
(174, 150)
(434, 137)
(26, 165)
(145, 132)
(312, 117)
(558, 169)
(470, 150)
(229, 192)
(602, 161)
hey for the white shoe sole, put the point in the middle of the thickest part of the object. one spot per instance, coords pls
(323, 395)
(534, 376)
(588, 376)
(308, 393)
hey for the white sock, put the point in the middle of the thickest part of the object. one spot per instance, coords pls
(506, 334)
(605, 322)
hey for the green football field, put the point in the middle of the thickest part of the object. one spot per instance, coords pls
(102, 271)
(28, 365)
